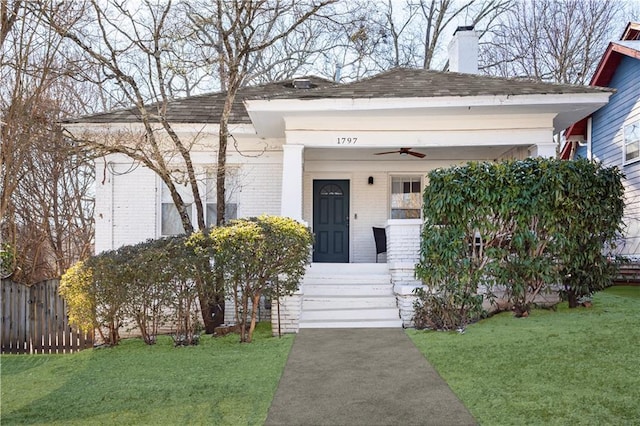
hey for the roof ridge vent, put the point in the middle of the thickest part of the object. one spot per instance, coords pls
(301, 83)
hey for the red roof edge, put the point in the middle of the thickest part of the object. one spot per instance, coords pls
(631, 32)
(565, 154)
(604, 73)
(577, 129)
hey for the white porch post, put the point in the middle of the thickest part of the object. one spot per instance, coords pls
(292, 162)
(403, 252)
(546, 150)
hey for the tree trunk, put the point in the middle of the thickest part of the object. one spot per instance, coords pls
(243, 321)
(572, 298)
(207, 315)
(254, 314)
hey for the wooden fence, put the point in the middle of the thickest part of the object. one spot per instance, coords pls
(34, 320)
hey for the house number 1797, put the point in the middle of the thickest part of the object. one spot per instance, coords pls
(347, 141)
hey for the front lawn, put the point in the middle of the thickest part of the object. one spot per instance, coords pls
(561, 367)
(218, 382)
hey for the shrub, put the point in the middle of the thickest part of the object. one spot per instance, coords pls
(109, 291)
(76, 288)
(266, 255)
(446, 310)
(523, 225)
(143, 273)
(7, 260)
(146, 284)
(594, 197)
(450, 269)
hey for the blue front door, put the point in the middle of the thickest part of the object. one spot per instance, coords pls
(331, 221)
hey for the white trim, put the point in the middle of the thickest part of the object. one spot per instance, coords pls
(426, 138)
(545, 150)
(390, 177)
(589, 139)
(292, 181)
(350, 104)
(626, 162)
(204, 129)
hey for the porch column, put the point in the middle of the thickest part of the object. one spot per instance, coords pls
(403, 252)
(292, 162)
(546, 150)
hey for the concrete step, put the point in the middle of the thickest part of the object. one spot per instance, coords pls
(348, 296)
(351, 324)
(362, 290)
(346, 302)
(346, 279)
(349, 314)
(347, 268)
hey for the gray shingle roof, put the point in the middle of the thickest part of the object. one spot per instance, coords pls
(418, 83)
(205, 108)
(396, 83)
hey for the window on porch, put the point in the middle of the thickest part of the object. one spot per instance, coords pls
(406, 197)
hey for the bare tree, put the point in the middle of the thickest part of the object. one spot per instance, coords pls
(45, 202)
(52, 209)
(552, 40)
(439, 16)
(238, 32)
(9, 13)
(131, 48)
(148, 55)
(411, 33)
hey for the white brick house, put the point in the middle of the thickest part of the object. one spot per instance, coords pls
(311, 149)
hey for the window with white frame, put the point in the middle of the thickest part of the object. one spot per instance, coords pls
(406, 197)
(231, 198)
(632, 142)
(170, 222)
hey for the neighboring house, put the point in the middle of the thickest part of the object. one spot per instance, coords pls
(611, 135)
(343, 158)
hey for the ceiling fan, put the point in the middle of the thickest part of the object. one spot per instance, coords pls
(403, 151)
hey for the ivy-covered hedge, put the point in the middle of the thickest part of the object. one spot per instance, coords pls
(524, 225)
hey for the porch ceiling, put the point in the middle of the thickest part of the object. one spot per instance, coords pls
(456, 154)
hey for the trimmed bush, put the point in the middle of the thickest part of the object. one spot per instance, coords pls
(259, 256)
(522, 225)
(147, 284)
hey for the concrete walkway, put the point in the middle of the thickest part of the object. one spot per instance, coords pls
(362, 377)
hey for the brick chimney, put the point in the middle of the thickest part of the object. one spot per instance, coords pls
(463, 51)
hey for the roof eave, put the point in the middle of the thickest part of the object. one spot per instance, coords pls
(269, 116)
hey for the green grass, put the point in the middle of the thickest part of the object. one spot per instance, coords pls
(218, 382)
(579, 366)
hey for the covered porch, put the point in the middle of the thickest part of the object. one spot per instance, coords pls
(355, 157)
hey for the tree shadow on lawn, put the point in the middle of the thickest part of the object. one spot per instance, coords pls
(135, 383)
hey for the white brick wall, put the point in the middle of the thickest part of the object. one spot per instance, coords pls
(126, 203)
(403, 249)
(260, 187)
(290, 310)
(264, 314)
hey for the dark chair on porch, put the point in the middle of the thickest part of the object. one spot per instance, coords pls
(380, 236)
